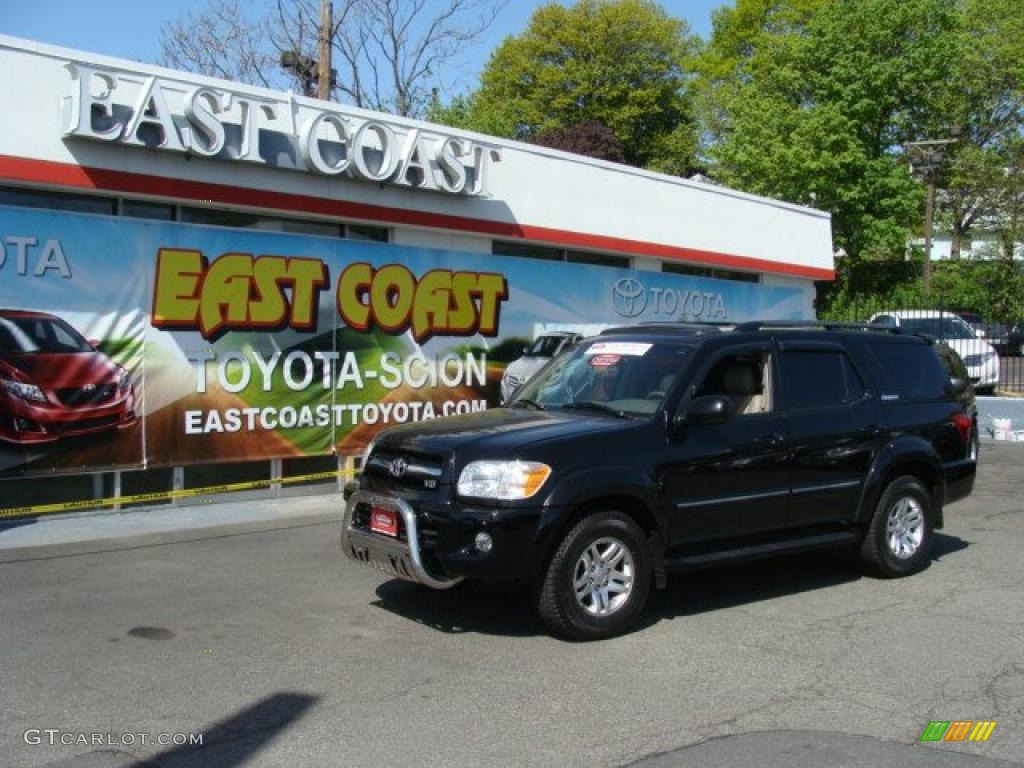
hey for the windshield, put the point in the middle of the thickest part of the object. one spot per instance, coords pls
(629, 378)
(939, 327)
(39, 335)
(545, 346)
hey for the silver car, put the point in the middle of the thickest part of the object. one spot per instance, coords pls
(534, 358)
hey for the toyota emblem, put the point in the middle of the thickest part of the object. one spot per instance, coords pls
(398, 467)
(629, 297)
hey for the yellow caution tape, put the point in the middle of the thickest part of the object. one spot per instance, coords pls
(71, 506)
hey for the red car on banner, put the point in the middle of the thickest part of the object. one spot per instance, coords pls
(55, 384)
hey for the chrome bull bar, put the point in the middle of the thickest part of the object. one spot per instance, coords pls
(401, 559)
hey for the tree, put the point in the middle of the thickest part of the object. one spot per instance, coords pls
(623, 63)
(388, 54)
(815, 103)
(983, 105)
(226, 40)
(591, 138)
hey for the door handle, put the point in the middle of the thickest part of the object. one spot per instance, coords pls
(873, 430)
(772, 440)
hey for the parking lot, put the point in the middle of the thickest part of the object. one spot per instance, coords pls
(281, 653)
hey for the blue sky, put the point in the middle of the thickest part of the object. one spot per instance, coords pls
(131, 28)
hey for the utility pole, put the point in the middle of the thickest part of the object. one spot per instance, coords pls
(324, 50)
(929, 217)
(926, 158)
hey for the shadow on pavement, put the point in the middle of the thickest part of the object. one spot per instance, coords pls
(234, 741)
(507, 609)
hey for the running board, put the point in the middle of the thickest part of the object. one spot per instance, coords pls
(758, 551)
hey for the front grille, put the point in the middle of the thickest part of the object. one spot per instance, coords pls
(407, 470)
(88, 395)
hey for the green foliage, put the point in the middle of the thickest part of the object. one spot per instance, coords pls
(812, 100)
(994, 289)
(623, 63)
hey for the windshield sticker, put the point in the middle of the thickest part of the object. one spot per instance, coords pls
(604, 361)
(632, 348)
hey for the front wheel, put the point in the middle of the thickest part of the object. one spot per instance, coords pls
(899, 538)
(598, 580)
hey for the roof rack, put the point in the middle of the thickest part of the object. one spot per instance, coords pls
(657, 326)
(827, 325)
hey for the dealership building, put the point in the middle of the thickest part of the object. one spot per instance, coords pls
(89, 136)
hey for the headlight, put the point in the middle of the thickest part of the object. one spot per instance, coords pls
(125, 381)
(505, 480)
(24, 391)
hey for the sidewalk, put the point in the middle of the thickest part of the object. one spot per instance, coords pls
(110, 527)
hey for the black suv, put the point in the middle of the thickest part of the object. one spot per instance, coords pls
(661, 448)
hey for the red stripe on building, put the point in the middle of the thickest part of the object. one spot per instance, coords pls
(80, 177)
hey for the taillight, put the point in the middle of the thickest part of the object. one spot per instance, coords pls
(963, 425)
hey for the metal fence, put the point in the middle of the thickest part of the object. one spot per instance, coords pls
(993, 351)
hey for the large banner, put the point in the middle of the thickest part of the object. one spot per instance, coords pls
(126, 343)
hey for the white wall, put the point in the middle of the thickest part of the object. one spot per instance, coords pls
(536, 193)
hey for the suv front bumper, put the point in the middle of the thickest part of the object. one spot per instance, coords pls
(395, 557)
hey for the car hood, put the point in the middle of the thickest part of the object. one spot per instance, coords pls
(54, 371)
(965, 347)
(526, 366)
(496, 433)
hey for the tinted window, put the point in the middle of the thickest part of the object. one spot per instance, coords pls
(143, 209)
(952, 363)
(628, 377)
(60, 201)
(818, 379)
(914, 370)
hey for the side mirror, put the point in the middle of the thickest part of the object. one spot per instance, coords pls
(710, 409)
(959, 386)
(94, 343)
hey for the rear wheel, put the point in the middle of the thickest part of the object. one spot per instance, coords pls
(598, 580)
(899, 539)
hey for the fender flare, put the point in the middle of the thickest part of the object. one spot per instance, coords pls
(916, 454)
(587, 486)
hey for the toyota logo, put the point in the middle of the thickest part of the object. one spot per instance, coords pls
(398, 467)
(629, 297)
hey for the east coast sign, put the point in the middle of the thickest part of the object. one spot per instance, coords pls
(140, 110)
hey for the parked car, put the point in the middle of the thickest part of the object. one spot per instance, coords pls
(662, 448)
(535, 357)
(994, 333)
(979, 356)
(1015, 340)
(55, 384)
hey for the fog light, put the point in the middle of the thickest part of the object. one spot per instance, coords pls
(483, 542)
(24, 425)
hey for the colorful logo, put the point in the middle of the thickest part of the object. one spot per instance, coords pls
(958, 730)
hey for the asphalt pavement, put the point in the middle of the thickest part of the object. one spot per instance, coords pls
(257, 635)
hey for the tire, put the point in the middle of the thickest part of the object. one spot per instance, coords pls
(985, 390)
(888, 555)
(598, 613)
